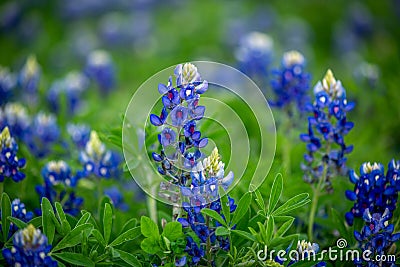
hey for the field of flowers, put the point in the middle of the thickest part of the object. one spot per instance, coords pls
(199, 133)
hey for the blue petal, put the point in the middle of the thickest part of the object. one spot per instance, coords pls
(155, 120)
(162, 88)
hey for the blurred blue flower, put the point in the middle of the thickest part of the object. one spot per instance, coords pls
(16, 118)
(374, 190)
(326, 130)
(117, 198)
(291, 83)
(59, 185)
(28, 79)
(7, 85)
(79, 133)
(100, 68)
(10, 165)
(70, 90)
(30, 248)
(43, 134)
(255, 55)
(99, 161)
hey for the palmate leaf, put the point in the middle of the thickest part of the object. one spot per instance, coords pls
(129, 235)
(148, 227)
(293, 203)
(173, 231)
(74, 237)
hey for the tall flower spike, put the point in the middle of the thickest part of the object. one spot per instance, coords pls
(326, 131)
(291, 84)
(99, 161)
(10, 165)
(59, 185)
(30, 248)
(373, 190)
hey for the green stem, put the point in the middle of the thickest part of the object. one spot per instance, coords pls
(208, 245)
(314, 205)
(152, 208)
(1, 188)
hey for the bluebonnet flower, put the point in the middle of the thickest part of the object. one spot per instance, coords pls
(377, 237)
(29, 77)
(30, 248)
(18, 211)
(80, 134)
(326, 130)
(10, 165)
(99, 161)
(306, 250)
(59, 185)
(16, 118)
(374, 190)
(255, 54)
(292, 83)
(71, 87)
(180, 112)
(43, 134)
(116, 197)
(100, 68)
(7, 85)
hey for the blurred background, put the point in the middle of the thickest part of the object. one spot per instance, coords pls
(358, 40)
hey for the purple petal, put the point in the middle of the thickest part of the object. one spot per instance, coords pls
(155, 120)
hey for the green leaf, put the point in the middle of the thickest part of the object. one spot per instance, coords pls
(84, 219)
(65, 226)
(215, 215)
(128, 258)
(103, 202)
(20, 224)
(284, 242)
(99, 237)
(148, 227)
(226, 211)
(222, 231)
(270, 229)
(284, 227)
(129, 235)
(5, 213)
(260, 200)
(293, 203)
(173, 231)
(242, 208)
(37, 222)
(151, 245)
(74, 237)
(132, 223)
(107, 221)
(244, 235)
(48, 220)
(276, 192)
(74, 258)
(263, 232)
